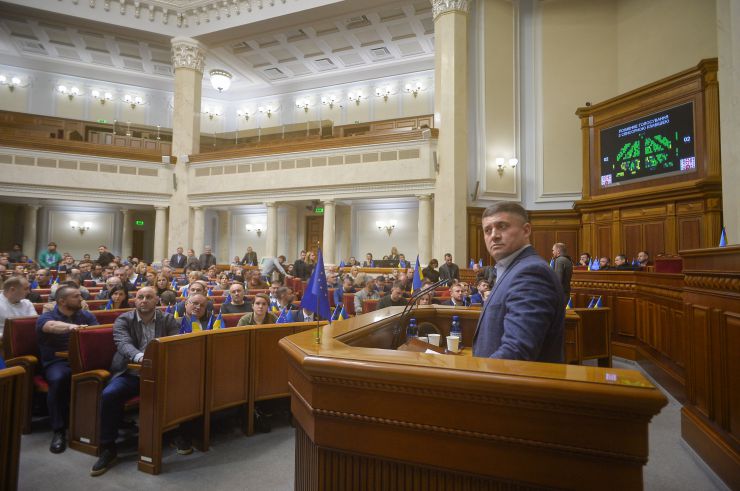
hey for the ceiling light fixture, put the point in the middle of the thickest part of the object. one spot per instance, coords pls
(220, 80)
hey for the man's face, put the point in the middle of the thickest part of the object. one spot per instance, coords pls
(273, 288)
(146, 300)
(237, 293)
(448, 260)
(101, 249)
(396, 294)
(555, 252)
(642, 257)
(303, 255)
(52, 248)
(347, 285)
(456, 292)
(370, 285)
(196, 289)
(208, 250)
(287, 297)
(249, 248)
(4, 261)
(603, 262)
(121, 274)
(504, 234)
(69, 260)
(19, 269)
(191, 252)
(97, 270)
(86, 257)
(260, 306)
(483, 286)
(16, 294)
(73, 300)
(196, 305)
(113, 281)
(619, 261)
(584, 259)
(402, 277)
(179, 250)
(369, 257)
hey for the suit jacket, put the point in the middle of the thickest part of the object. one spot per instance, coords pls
(451, 272)
(127, 335)
(178, 261)
(192, 264)
(564, 271)
(524, 316)
(207, 260)
(250, 259)
(301, 269)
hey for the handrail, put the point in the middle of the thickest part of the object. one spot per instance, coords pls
(84, 148)
(311, 145)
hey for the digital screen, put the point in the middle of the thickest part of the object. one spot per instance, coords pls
(653, 146)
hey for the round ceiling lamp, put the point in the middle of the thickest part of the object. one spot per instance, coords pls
(220, 80)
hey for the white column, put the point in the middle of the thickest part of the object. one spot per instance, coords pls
(199, 229)
(329, 238)
(425, 229)
(160, 232)
(188, 61)
(224, 237)
(451, 114)
(29, 231)
(272, 229)
(127, 235)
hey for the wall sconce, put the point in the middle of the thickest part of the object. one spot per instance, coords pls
(81, 227)
(329, 101)
(500, 163)
(103, 98)
(133, 101)
(383, 92)
(355, 97)
(387, 226)
(243, 113)
(220, 80)
(302, 104)
(266, 110)
(256, 227)
(12, 84)
(213, 111)
(69, 92)
(414, 88)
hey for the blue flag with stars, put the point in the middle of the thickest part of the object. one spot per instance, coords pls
(723, 238)
(316, 296)
(471, 264)
(552, 263)
(416, 283)
(285, 316)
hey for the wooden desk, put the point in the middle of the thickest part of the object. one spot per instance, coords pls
(385, 419)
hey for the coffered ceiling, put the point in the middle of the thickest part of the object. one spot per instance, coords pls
(336, 42)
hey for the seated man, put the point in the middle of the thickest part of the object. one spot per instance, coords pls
(259, 315)
(74, 278)
(132, 332)
(109, 284)
(273, 292)
(368, 262)
(52, 329)
(604, 263)
(196, 288)
(368, 292)
(348, 286)
(13, 302)
(457, 297)
(585, 259)
(482, 287)
(285, 299)
(239, 302)
(395, 299)
(255, 281)
(644, 259)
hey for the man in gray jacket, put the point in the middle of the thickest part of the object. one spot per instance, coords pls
(563, 267)
(132, 332)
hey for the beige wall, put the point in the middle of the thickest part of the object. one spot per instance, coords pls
(17, 100)
(579, 39)
(661, 37)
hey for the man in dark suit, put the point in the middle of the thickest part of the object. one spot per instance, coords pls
(457, 297)
(250, 258)
(563, 267)
(132, 332)
(207, 259)
(300, 268)
(105, 256)
(178, 260)
(524, 316)
(449, 270)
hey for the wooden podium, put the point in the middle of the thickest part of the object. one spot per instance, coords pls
(369, 417)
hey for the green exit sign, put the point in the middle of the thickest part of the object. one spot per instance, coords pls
(102, 121)
(319, 210)
(139, 223)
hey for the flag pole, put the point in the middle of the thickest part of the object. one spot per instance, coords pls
(317, 338)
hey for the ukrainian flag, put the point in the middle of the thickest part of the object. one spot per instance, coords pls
(109, 305)
(219, 322)
(342, 314)
(569, 305)
(418, 276)
(195, 324)
(598, 304)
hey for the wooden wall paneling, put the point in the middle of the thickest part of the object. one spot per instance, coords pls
(653, 238)
(631, 239)
(677, 337)
(603, 246)
(699, 358)
(625, 315)
(476, 240)
(689, 232)
(731, 384)
(670, 231)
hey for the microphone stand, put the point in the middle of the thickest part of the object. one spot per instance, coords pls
(409, 308)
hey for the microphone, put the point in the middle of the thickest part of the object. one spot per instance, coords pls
(409, 308)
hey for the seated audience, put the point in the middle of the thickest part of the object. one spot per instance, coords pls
(196, 288)
(162, 285)
(369, 292)
(117, 299)
(457, 297)
(238, 303)
(223, 282)
(347, 287)
(604, 263)
(16, 254)
(353, 262)
(52, 329)
(109, 284)
(395, 299)
(167, 298)
(284, 296)
(73, 279)
(260, 314)
(368, 262)
(132, 332)
(430, 273)
(13, 302)
(67, 264)
(250, 257)
(304, 315)
(255, 281)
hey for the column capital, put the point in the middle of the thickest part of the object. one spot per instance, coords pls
(443, 6)
(188, 53)
(196, 208)
(34, 207)
(270, 204)
(124, 210)
(424, 197)
(160, 207)
(329, 201)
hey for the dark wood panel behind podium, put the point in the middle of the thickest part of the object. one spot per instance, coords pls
(379, 419)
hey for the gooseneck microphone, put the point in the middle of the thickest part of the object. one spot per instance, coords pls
(408, 309)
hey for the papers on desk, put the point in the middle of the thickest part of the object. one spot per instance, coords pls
(432, 352)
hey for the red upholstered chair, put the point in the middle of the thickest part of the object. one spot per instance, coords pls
(21, 348)
(668, 264)
(108, 316)
(230, 320)
(369, 305)
(88, 283)
(332, 304)
(349, 303)
(91, 352)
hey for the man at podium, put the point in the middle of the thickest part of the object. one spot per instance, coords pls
(523, 317)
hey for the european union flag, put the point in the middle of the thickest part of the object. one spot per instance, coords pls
(372, 263)
(109, 305)
(723, 238)
(210, 292)
(480, 263)
(552, 263)
(471, 264)
(416, 283)
(569, 305)
(316, 296)
(285, 316)
(595, 265)
(227, 300)
(341, 264)
(35, 284)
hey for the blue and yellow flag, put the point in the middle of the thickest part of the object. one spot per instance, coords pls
(210, 292)
(342, 314)
(274, 307)
(215, 322)
(598, 304)
(174, 284)
(109, 305)
(56, 280)
(569, 305)
(591, 303)
(170, 309)
(418, 276)
(177, 314)
(480, 263)
(341, 264)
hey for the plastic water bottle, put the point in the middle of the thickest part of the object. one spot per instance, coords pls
(412, 332)
(455, 328)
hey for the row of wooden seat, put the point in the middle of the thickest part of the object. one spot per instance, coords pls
(12, 411)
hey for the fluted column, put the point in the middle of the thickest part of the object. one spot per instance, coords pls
(271, 232)
(127, 235)
(160, 232)
(199, 229)
(224, 237)
(451, 117)
(29, 230)
(188, 61)
(330, 225)
(425, 228)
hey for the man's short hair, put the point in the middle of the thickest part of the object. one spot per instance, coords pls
(13, 282)
(448, 254)
(561, 247)
(168, 297)
(644, 252)
(64, 291)
(398, 284)
(507, 207)
(51, 244)
(621, 256)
